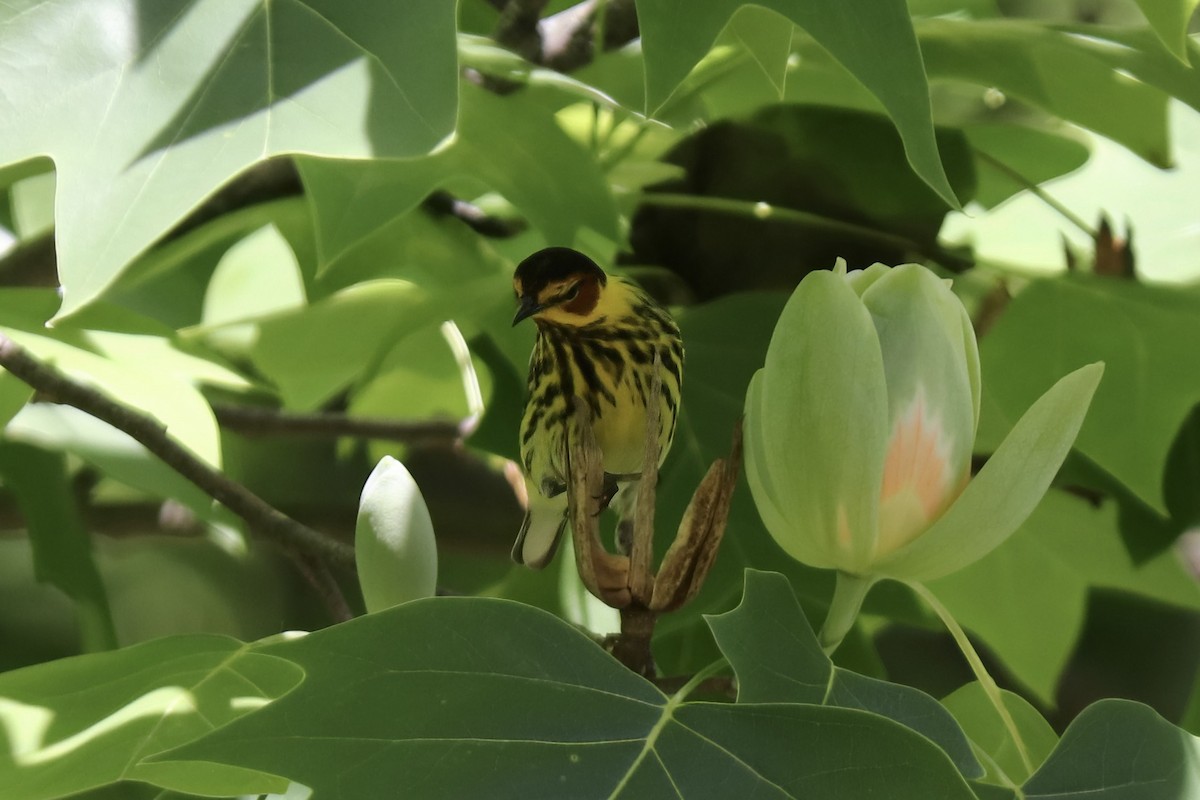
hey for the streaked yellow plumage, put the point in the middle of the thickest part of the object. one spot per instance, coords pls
(597, 339)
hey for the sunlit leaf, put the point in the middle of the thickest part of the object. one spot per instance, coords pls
(509, 144)
(148, 107)
(85, 722)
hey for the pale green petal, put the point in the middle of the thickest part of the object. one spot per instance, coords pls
(764, 488)
(824, 422)
(862, 279)
(1007, 489)
(931, 408)
(971, 349)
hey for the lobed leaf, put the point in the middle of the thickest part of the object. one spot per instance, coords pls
(146, 108)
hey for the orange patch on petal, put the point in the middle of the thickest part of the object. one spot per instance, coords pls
(918, 458)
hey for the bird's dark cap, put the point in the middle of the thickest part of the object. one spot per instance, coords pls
(555, 264)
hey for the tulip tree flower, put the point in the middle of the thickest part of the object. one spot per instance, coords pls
(860, 427)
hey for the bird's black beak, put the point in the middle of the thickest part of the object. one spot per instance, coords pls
(528, 307)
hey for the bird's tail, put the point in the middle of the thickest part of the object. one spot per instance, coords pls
(541, 531)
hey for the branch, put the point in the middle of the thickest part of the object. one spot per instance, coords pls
(258, 514)
(517, 28)
(254, 421)
(569, 37)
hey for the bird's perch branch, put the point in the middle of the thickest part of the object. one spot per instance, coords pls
(51, 383)
(628, 582)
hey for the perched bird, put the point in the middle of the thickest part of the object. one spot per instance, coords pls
(597, 336)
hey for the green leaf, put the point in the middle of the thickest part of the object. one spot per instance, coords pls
(14, 394)
(257, 277)
(776, 657)
(879, 48)
(394, 546)
(1119, 749)
(113, 452)
(1053, 70)
(1012, 158)
(1152, 370)
(982, 724)
(771, 646)
(392, 702)
(173, 402)
(62, 550)
(1170, 19)
(1043, 573)
(510, 144)
(84, 722)
(146, 109)
(314, 352)
(1008, 488)
(1140, 53)
(768, 38)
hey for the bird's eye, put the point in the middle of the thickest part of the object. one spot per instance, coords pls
(571, 294)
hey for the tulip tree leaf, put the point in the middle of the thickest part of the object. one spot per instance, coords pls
(1054, 70)
(391, 703)
(1119, 749)
(776, 657)
(62, 551)
(512, 144)
(313, 352)
(1170, 19)
(981, 723)
(1152, 369)
(1004, 152)
(879, 48)
(146, 108)
(768, 39)
(169, 398)
(115, 453)
(88, 721)
(1043, 572)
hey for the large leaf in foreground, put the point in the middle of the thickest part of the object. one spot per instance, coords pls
(1119, 750)
(471, 697)
(776, 656)
(145, 108)
(85, 722)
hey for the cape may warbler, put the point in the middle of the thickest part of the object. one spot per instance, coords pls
(597, 336)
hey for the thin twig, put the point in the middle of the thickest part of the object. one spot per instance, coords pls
(317, 573)
(257, 421)
(258, 514)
